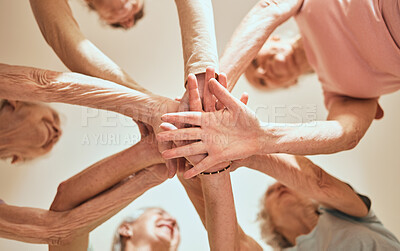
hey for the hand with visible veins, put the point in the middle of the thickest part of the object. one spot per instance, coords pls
(197, 93)
(196, 133)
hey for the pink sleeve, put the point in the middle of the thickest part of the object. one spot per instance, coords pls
(329, 97)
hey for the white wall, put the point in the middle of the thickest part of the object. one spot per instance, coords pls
(151, 53)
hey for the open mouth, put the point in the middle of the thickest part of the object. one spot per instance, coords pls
(167, 228)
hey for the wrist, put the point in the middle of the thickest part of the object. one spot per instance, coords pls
(158, 106)
(214, 179)
(268, 140)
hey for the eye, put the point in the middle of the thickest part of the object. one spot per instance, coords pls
(254, 63)
(270, 191)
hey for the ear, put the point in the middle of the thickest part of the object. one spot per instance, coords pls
(125, 230)
(16, 159)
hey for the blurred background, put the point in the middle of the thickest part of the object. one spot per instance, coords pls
(151, 53)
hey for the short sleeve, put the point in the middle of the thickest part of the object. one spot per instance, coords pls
(329, 98)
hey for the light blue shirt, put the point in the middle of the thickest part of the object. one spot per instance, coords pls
(338, 231)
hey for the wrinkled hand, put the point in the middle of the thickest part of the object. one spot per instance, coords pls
(165, 105)
(228, 134)
(196, 96)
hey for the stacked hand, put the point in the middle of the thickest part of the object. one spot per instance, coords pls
(164, 105)
(225, 134)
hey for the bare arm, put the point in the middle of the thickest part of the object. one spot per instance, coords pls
(194, 191)
(252, 33)
(220, 213)
(347, 122)
(199, 44)
(62, 33)
(105, 174)
(81, 243)
(303, 176)
(60, 228)
(32, 84)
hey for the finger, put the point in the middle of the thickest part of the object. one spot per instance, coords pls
(184, 104)
(223, 80)
(223, 95)
(193, 133)
(201, 167)
(209, 99)
(181, 164)
(167, 126)
(193, 118)
(194, 95)
(171, 164)
(244, 98)
(187, 150)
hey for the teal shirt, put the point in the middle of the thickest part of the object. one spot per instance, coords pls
(338, 231)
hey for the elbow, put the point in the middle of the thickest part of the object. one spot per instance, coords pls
(352, 138)
(43, 78)
(58, 204)
(59, 232)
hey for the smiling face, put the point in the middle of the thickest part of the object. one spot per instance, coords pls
(277, 65)
(155, 228)
(27, 130)
(118, 13)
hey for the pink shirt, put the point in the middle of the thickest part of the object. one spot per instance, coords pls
(351, 44)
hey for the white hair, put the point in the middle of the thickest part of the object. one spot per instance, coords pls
(117, 241)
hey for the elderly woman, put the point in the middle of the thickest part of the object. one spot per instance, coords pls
(31, 85)
(147, 229)
(307, 209)
(27, 130)
(337, 38)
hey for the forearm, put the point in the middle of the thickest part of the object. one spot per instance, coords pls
(32, 84)
(103, 175)
(221, 222)
(347, 122)
(94, 212)
(303, 176)
(60, 228)
(251, 35)
(195, 194)
(81, 243)
(296, 172)
(27, 224)
(62, 33)
(198, 35)
(320, 137)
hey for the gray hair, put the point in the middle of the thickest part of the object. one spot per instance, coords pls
(268, 233)
(117, 241)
